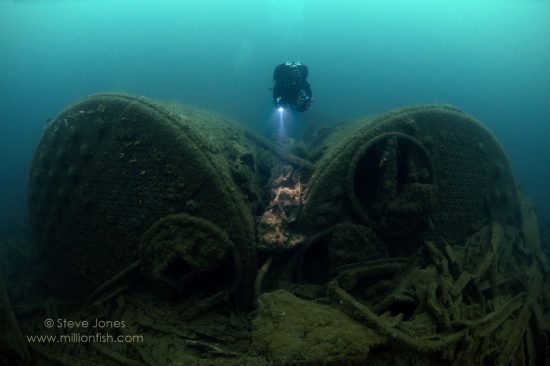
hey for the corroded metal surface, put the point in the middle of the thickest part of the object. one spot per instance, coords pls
(110, 166)
(398, 239)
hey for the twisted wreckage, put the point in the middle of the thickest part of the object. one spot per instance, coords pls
(399, 239)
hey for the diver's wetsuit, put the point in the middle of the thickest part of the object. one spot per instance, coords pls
(290, 86)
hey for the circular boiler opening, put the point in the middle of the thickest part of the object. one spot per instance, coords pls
(391, 182)
(184, 255)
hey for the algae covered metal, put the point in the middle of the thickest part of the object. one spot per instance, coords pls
(394, 239)
(411, 165)
(112, 168)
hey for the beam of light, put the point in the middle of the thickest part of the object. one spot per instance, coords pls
(281, 120)
(282, 130)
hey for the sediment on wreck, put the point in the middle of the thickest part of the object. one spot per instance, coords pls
(394, 239)
(110, 166)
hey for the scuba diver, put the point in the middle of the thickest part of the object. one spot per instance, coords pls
(290, 87)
